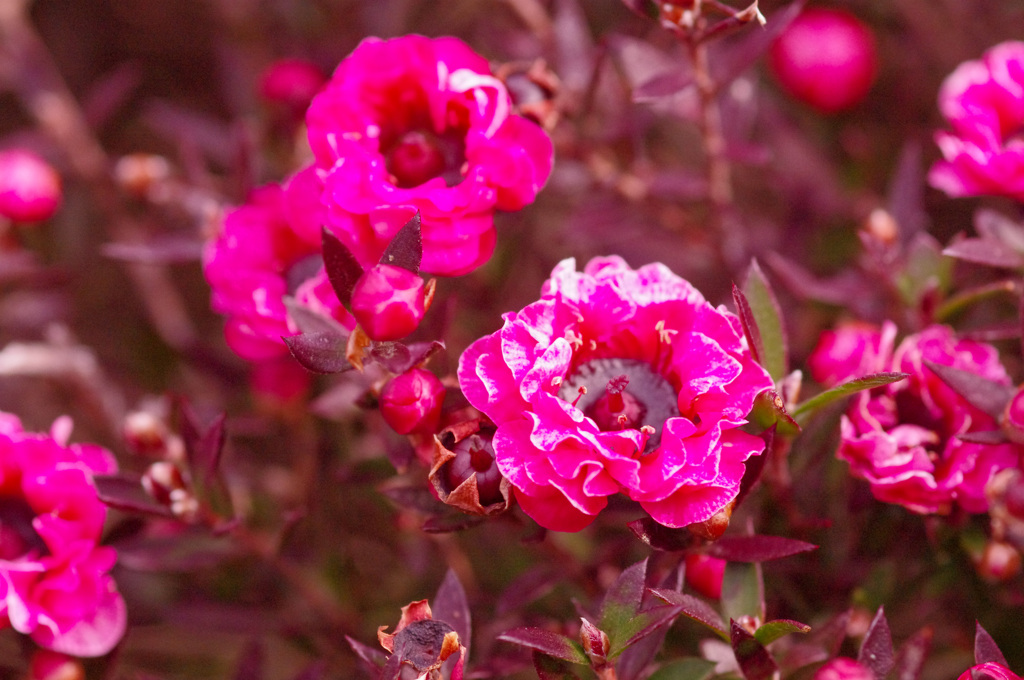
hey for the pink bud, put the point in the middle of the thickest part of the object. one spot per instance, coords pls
(826, 58)
(47, 665)
(843, 668)
(704, 574)
(595, 643)
(411, 402)
(291, 82)
(388, 302)
(999, 562)
(29, 187)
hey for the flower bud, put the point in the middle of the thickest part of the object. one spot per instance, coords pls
(595, 643)
(161, 480)
(475, 455)
(843, 668)
(388, 302)
(47, 665)
(999, 562)
(138, 173)
(411, 402)
(145, 434)
(826, 58)
(29, 188)
(291, 83)
(704, 574)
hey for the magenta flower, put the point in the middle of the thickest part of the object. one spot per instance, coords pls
(421, 122)
(30, 189)
(843, 668)
(903, 438)
(617, 380)
(269, 248)
(992, 670)
(54, 577)
(983, 101)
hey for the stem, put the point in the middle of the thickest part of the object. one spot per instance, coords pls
(606, 673)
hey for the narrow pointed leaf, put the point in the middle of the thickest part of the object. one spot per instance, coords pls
(622, 600)
(550, 668)
(451, 606)
(342, 267)
(755, 466)
(694, 608)
(743, 590)
(660, 537)
(640, 626)
(912, 654)
(985, 251)
(802, 412)
(126, 493)
(876, 651)
(548, 642)
(203, 445)
(754, 660)
(905, 194)
(771, 631)
(685, 669)
(756, 548)
(748, 321)
(982, 393)
(998, 227)
(985, 648)
(310, 321)
(406, 248)
(320, 352)
(766, 310)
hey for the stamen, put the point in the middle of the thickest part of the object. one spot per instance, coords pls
(582, 391)
(556, 382)
(647, 430)
(623, 420)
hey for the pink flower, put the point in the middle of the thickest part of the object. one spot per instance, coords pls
(269, 248)
(388, 302)
(291, 83)
(983, 101)
(617, 380)
(421, 122)
(991, 670)
(826, 58)
(29, 188)
(54, 580)
(903, 438)
(843, 668)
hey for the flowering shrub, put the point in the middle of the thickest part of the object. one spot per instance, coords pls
(54, 577)
(422, 122)
(983, 100)
(905, 439)
(617, 380)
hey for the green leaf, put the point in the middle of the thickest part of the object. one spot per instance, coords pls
(766, 311)
(743, 590)
(804, 411)
(640, 626)
(621, 603)
(685, 669)
(771, 631)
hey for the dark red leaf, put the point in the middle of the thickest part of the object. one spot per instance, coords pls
(661, 537)
(737, 58)
(406, 248)
(693, 608)
(755, 466)
(548, 642)
(320, 352)
(550, 668)
(754, 660)
(906, 193)
(533, 584)
(912, 654)
(310, 321)
(450, 605)
(756, 548)
(393, 356)
(982, 393)
(876, 651)
(203, 445)
(126, 493)
(985, 648)
(749, 324)
(622, 600)
(373, 657)
(995, 226)
(342, 267)
(420, 352)
(985, 251)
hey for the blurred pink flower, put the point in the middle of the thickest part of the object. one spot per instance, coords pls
(30, 190)
(267, 249)
(983, 100)
(421, 122)
(903, 438)
(991, 670)
(54, 580)
(843, 668)
(617, 380)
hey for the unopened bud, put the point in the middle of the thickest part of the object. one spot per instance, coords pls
(388, 302)
(704, 574)
(713, 527)
(411, 402)
(291, 83)
(30, 189)
(595, 643)
(137, 173)
(475, 455)
(145, 433)
(161, 480)
(999, 562)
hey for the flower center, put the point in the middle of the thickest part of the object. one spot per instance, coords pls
(302, 271)
(419, 156)
(17, 536)
(620, 394)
